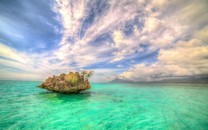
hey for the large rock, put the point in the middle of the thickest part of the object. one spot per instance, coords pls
(73, 82)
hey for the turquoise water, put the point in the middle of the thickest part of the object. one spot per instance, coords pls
(105, 106)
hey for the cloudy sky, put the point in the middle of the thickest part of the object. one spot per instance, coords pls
(136, 40)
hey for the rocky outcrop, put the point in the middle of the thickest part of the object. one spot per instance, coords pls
(73, 82)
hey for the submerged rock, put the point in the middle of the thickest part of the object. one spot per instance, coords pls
(73, 82)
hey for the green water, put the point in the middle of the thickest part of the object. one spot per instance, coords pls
(105, 106)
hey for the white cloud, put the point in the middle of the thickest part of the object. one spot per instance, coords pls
(29, 64)
(10, 53)
(185, 59)
(156, 33)
(70, 15)
(104, 75)
(9, 75)
(202, 34)
(161, 29)
(162, 23)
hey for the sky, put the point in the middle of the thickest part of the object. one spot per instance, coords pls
(134, 40)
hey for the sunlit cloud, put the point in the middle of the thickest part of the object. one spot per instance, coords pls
(185, 59)
(137, 40)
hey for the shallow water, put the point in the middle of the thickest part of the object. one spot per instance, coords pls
(105, 106)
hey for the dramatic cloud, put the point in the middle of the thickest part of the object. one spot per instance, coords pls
(185, 59)
(139, 40)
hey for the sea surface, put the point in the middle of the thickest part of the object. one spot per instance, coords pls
(105, 107)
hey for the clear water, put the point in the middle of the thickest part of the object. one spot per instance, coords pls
(105, 106)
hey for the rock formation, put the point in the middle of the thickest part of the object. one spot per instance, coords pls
(73, 82)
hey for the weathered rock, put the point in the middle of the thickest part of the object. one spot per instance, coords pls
(73, 82)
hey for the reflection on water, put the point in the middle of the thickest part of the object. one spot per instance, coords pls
(63, 96)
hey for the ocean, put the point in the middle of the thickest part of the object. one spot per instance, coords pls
(122, 106)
